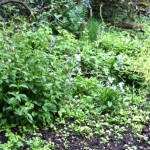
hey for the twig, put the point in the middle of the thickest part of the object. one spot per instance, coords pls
(101, 5)
(91, 12)
(17, 2)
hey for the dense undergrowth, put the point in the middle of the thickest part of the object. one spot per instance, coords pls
(93, 86)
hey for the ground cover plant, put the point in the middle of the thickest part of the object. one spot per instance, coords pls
(58, 92)
(86, 87)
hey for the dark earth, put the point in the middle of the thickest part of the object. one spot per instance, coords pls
(79, 142)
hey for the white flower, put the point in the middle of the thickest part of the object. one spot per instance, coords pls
(78, 57)
(139, 44)
(9, 60)
(102, 31)
(121, 86)
(13, 47)
(71, 79)
(111, 80)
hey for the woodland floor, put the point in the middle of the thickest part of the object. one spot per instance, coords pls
(75, 141)
(79, 142)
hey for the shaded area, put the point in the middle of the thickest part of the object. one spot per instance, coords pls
(3, 138)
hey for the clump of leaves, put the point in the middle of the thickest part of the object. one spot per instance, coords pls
(14, 141)
(64, 14)
(91, 30)
(105, 99)
(31, 88)
(141, 65)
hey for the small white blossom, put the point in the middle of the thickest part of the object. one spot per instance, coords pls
(121, 86)
(102, 31)
(53, 41)
(9, 60)
(139, 44)
(71, 79)
(78, 57)
(13, 48)
(111, 80)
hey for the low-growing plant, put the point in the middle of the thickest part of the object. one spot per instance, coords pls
(14, 141)
(105, 99)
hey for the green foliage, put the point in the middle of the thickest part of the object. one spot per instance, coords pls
(38, 144)
(59, 14)
(65, 15)
(91, 30)
(113, 10)
(141, 66)
(106, 99)
(123, 42)
(87, 84)
(39, 71)
(31, 88)
(14, 141)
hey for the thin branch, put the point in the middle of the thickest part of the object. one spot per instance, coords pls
(91, 12)
(16, 2)
(101, 5)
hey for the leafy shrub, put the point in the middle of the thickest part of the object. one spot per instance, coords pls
(96, 62)
(115, 10)
(59, 14)
(118, 43)
(65, 44)
(39, 71)
(65, 14)
(14, 141)
(31, 88)
(141, 66)
(29, 37)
